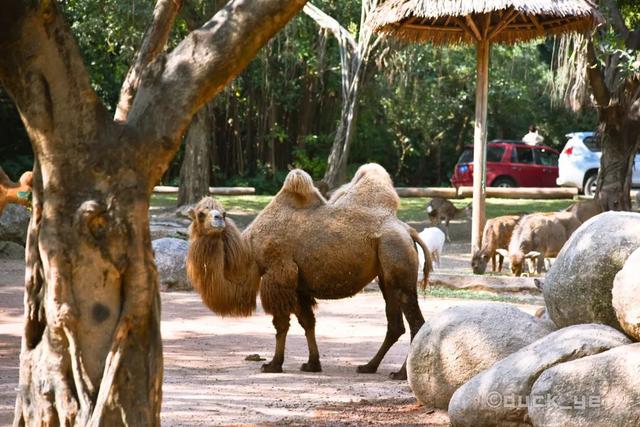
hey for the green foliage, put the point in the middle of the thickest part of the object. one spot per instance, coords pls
(415, 112)
(265, 181)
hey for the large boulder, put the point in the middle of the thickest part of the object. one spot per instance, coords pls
(595, 391)
(499, 395)
(171, 255)
(577, 288)
(461, 341)
(14, 224)
(626, 295)
(11, 250)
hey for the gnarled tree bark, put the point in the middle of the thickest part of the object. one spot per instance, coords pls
(91, 351)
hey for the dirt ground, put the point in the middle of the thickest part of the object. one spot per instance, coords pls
(207, 380)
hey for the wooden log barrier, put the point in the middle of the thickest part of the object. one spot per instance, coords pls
(221, 191)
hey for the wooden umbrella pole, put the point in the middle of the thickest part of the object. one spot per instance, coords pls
(480, 144)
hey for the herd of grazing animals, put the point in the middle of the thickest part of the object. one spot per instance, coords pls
(303, 247)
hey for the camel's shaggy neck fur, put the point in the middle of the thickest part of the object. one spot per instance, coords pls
(231, 290)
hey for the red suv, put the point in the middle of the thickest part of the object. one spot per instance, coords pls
(511, 164)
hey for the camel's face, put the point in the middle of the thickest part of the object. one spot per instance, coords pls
(208, 217)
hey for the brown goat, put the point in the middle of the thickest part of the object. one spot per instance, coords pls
(585, 209)
(497, 234)
(440, 209)
(301, 247)
(537, 236)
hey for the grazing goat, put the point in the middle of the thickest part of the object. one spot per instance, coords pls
(440, 209)
(434, 238)
(537, 236)
(585, 209)
(497, 234)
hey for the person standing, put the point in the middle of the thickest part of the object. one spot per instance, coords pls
(533, 137)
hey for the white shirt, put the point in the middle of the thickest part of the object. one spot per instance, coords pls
(532, 138)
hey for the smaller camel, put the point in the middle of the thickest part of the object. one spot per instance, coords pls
(300, 248)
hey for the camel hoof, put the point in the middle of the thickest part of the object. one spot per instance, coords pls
(400, 375)
(311, 367)
(271, 368)
(367, 369)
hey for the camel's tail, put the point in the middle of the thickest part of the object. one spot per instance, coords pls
(428, 266)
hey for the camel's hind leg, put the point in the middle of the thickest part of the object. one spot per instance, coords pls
(307, 320)
(395, 327)
(400, 268)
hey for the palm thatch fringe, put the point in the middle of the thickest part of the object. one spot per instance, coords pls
(435, 20)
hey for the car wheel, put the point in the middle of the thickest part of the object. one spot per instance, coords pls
(590, 185)
(504, 182)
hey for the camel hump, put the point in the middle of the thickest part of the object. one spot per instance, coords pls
(371, 186)
(299, 192)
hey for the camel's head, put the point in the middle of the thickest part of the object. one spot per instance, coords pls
(298, 182)
(479, 262)
(209, 218)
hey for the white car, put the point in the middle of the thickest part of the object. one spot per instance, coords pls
(580, 160)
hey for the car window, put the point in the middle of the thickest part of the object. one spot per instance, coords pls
(522, 155)
(592, 143)
(546, 158)
(494, 154)
(466, 156)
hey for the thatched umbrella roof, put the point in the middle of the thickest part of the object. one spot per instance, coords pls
(481, 22)
(462, 21)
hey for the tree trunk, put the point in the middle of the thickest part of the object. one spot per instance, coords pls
(339, 156)
(353, 62)
(620, 129)
(194, 172)
(91, 351)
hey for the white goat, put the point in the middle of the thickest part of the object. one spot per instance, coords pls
(434, 238)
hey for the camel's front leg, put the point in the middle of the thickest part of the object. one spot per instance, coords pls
(279, 297)
(281, 323)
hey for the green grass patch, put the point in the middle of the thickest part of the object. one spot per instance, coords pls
(415, 208)
(442, 292)
(249, 204)
(411, 208)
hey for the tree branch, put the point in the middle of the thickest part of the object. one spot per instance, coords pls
(42, 69)
(596, 77)
(176, 85)
(617, 22)
(153, 43)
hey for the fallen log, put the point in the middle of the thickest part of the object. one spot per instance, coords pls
(497, 284)
(445, 192)
(221, 191)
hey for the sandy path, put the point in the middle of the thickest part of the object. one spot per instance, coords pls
(208, 382)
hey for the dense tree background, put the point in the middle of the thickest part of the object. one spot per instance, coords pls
(415, 112)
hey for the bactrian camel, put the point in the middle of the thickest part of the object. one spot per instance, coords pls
(301, 248)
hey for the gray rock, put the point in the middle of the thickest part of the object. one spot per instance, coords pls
(595, 391)
(14, 224)
(11, 250)
(170, 255)
(626, 295)
(499, 395)
(577, 288)
(461, 341)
